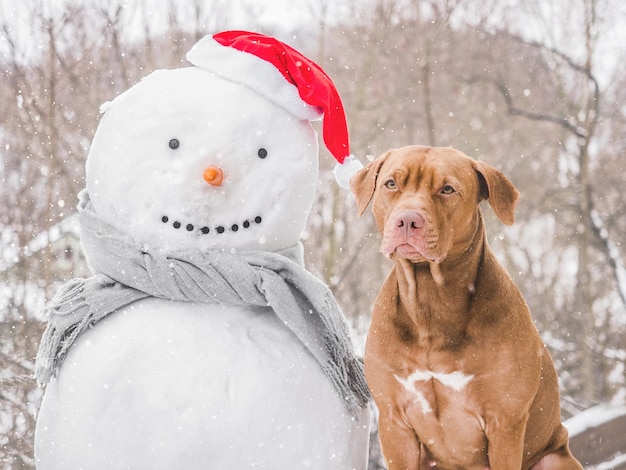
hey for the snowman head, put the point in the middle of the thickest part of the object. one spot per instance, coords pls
(219, 155)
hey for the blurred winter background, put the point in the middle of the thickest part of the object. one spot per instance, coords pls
(537, 88)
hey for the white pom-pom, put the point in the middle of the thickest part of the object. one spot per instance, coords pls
(343, 172)
(104, 107)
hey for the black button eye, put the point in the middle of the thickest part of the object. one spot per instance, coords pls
(262, 153)
(174, 144)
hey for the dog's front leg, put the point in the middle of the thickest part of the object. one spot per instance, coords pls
(505, 437)
(400, 445)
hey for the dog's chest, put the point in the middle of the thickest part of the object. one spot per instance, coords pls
(439, 406)
(421, 387)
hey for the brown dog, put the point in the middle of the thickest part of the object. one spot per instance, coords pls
(454, 362)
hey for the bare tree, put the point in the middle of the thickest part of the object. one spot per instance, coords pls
(50, 107)
(578, 115)
(456, 73)
(529, 107)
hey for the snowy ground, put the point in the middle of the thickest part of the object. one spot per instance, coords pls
(598, 437)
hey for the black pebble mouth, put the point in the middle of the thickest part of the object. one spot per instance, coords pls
(205, 229)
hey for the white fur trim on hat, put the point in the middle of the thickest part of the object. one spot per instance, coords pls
(253, 72)
(344, 172)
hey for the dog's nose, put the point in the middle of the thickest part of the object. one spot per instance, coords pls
(409, 220)
(213, 175)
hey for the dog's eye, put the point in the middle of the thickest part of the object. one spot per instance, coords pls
(447, 189)
(390, 184)
(174, 144)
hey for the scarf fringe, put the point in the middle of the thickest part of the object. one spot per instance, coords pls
(344, 369)
(60, 334)
(129, 273)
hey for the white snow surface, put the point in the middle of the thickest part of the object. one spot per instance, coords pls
(166, 385)
(594, 417)
(134, 178)
(161, 385)
(616, 462)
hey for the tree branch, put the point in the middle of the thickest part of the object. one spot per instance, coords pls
(612, 253)
(515, 111)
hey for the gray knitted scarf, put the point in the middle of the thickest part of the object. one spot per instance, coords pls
(127, 272)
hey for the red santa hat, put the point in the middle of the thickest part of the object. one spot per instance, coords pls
(285, 77)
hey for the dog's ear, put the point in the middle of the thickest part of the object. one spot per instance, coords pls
(363, 183)
(498, 189)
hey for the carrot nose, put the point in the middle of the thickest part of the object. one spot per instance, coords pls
(213, 175)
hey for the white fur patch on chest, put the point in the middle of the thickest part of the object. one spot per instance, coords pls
(456, 381)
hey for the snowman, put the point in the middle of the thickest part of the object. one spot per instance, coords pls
(201, 342)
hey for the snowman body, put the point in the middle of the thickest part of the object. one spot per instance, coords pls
(195, 387)
(165, 385)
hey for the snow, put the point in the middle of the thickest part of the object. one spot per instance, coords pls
(169, 385)
(594, 417)
(173, 386)
(615, 462)
(11, 254)
(613, 252)
(135, 179)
